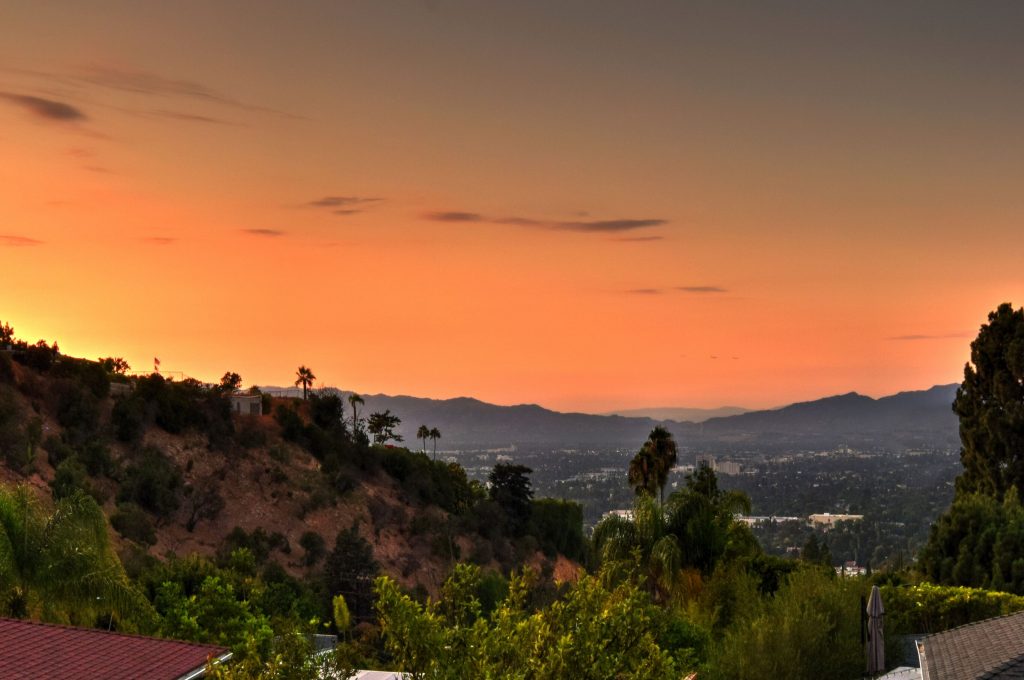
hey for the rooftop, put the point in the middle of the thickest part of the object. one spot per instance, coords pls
(29, 649)
(990, 649)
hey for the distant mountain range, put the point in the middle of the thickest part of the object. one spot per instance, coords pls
(919, 419)
(682, 415)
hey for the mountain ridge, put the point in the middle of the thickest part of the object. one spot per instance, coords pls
(911, 418)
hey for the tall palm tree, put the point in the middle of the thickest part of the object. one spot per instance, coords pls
(60, 566)
(435, 434)
(354, 399)
(642, 471)
(423, 433)
(304, 377)
(664, 453)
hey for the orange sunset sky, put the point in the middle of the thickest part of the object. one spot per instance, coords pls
(587, 205)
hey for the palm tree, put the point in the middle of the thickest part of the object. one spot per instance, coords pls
(423, 433)
(60, 566)
(305, 378)
(642, 471)
(435, 434)
(664, 452)
(642, 540)
(354, 399)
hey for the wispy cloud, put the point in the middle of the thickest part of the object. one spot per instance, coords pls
(190, 117)
(678, 289)
(159, 240)
(340, 201)
(155, 84)
(638, 239)
(702, 289)
(922, 336)
(585, 226)
(608, 225)
(18, 241)
(47, 109)
(273, 233)
(454, 216)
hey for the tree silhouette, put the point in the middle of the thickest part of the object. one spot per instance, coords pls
(230, 382)
(382, 426)
(510, 488)
(990, 404)
(423, 433)
(650, 467)
(435, 434)
(354, 399)
(304, 377)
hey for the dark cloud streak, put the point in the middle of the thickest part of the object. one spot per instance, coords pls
(583, 226)
(702, 289)
(943, 336)
(47, 109)
(271, 233)
(454, 216)
(15, 241)
(339, 201)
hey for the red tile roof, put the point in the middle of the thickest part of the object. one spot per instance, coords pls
(29, 649)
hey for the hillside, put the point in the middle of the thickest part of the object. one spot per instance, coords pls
(178, 473)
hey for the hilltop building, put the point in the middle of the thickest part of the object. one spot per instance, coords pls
(828, 520)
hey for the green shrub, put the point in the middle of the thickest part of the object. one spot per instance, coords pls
(71, 477)
(57, 450)
(314, 546)
(128, 418)
(929, 608)
(133, 523)
(153, 482)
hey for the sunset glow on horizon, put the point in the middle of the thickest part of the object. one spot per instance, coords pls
(590, 206)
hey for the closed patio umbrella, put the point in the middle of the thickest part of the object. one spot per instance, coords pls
(876, 638)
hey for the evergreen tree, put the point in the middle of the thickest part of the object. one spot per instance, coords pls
(990, 404)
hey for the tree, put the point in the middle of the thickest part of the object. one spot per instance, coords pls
(652, 464)
(510, 488)
(435, 434)
(202, 501)
(115, 365)
(382, 426)
(6, 335)
(423, 433)
(230, 382)
(641, 472)
(979, 541)
(990, 404)
(591, 633)
(305, 378)
(350, 570)
(353, 400)
(314, 546)
(60, 565)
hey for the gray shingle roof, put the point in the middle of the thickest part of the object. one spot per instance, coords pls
(992, 649)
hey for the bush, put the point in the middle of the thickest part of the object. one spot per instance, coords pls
(6, 369)
(71, 477)
(929, 608)
(129, 418)
(259, 544)
(133, 523)
(558, 527)
(57, 450)
(314, 546)
(153, 482)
